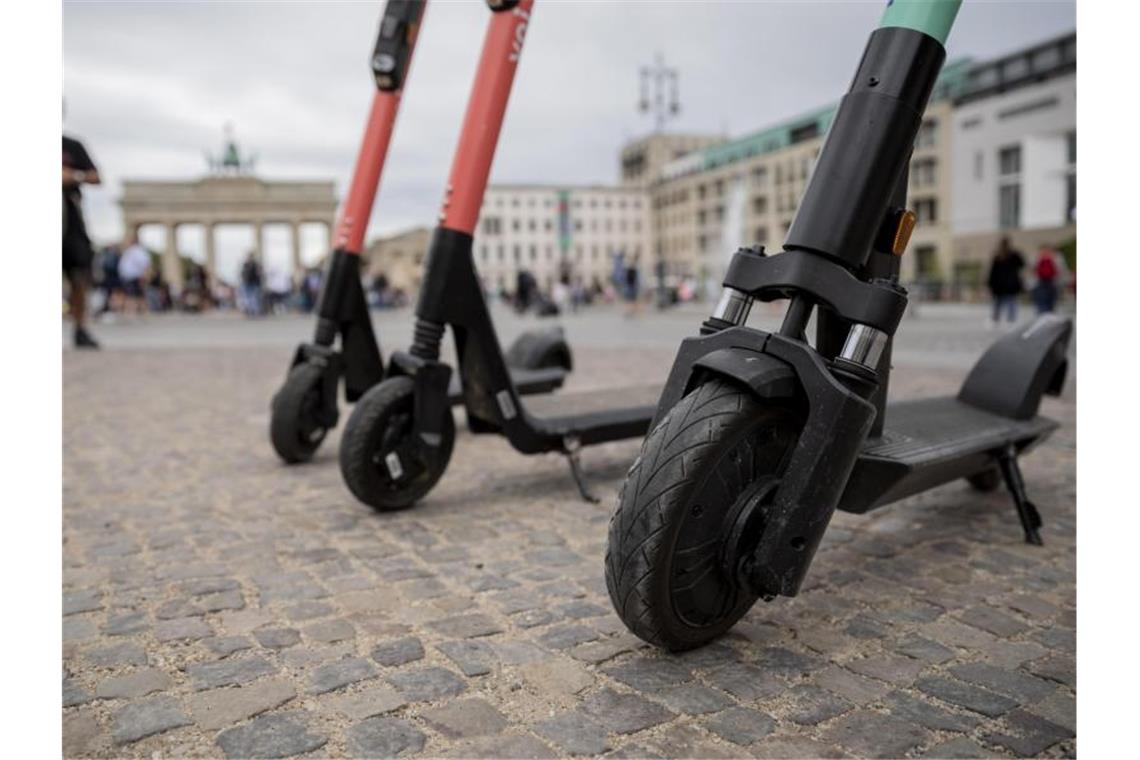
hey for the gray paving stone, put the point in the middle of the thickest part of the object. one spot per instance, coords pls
(466, 626)
(473, 657)
(693, 699)
(994, 621)
(566, 636)
(229, 672)
(740, 725)
(964, 695)
(900, 671)
(788, 664)
(954, 749)
(276, 735)
(136, 684)
(926, 714)
(74, 693)
(518, 652)
(791, 746)
(1017, 684)
(125, 623)
(340, 673)
(624, 713)
(398, 651)
(78, 629)
(1026, 734)
(84, 600)
(921, 648)
(82, 734)
(330, 631)
(146, 717)
(277, 638)
(464, 718)
(427, 684)
(179, 629)
(871, 734)
(501, 746)
(116, 655)
(745, 682)
(854, 688)
(371, 700)
(219, 708)
(573, 733)
(384, 737)
(809, 704)
(224, 646)
(648, 673)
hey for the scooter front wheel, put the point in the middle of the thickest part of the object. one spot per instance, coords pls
(667, 539)
(381, 461)
(295, 428)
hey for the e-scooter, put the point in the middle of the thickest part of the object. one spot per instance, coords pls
(305, 408)
(759, 437)
(399, 437)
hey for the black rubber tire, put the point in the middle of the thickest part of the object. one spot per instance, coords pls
(665, 511)
(379, 418)
(986, 481)
(293, 429)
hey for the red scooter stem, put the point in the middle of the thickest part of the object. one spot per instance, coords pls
(471, 166)
(353, 221)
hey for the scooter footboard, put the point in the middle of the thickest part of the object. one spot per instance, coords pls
(1018, 368)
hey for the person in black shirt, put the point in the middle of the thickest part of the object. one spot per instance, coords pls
(78, 170)
(1005, 280)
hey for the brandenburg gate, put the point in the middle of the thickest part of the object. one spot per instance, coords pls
(230, 194)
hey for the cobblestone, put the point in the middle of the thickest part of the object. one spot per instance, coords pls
(234, 585)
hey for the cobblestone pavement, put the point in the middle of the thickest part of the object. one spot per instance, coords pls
(218, 603)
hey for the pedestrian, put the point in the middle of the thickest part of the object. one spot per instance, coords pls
(134, 266)
(78, 170)
(110, 282)
(1046, 271)
(251, 286)
(1005, 280)
(632, 282)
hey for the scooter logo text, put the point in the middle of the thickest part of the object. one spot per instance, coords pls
(520, 35)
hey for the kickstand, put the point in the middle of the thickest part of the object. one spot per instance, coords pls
(571, 446)
(1030, 517)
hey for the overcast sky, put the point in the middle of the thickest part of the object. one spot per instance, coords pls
(149, 86)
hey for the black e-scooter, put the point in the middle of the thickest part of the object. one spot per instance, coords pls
(305, 408)
(759, 437)
(399, 437)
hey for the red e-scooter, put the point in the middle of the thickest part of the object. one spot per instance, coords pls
(399, 438)
(305, 408)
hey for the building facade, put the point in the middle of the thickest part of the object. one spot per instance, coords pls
(551, 230)
(399, 257)
(1015, 155)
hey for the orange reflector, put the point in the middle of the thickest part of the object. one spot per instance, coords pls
(907, 221)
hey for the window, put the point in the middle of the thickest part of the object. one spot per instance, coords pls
(923, 172)
(760, 204)
(927, 134)
(577, 225)
(530, 225)
(760, 177)
(515, 225)
(517, 252)
(1009, 161)
(1071, 177)
(500, 252)
(979, 164)
(492, 225)
(1009, 187)
(548, 225)
(483, 253)
(1009, 206)
(761, 235)
(926, 262)
(533, 253)
(926, 210)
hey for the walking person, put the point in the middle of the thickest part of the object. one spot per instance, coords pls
(632, 282)
(1046, 271)
(134, 266)
(251, 286)
(78, 170)
(110, 284)
(1005, 280)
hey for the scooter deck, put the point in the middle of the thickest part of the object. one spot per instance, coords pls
(527, 381)
(932, 441)
(606, 414)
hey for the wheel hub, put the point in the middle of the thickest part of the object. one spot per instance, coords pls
(743, 528)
